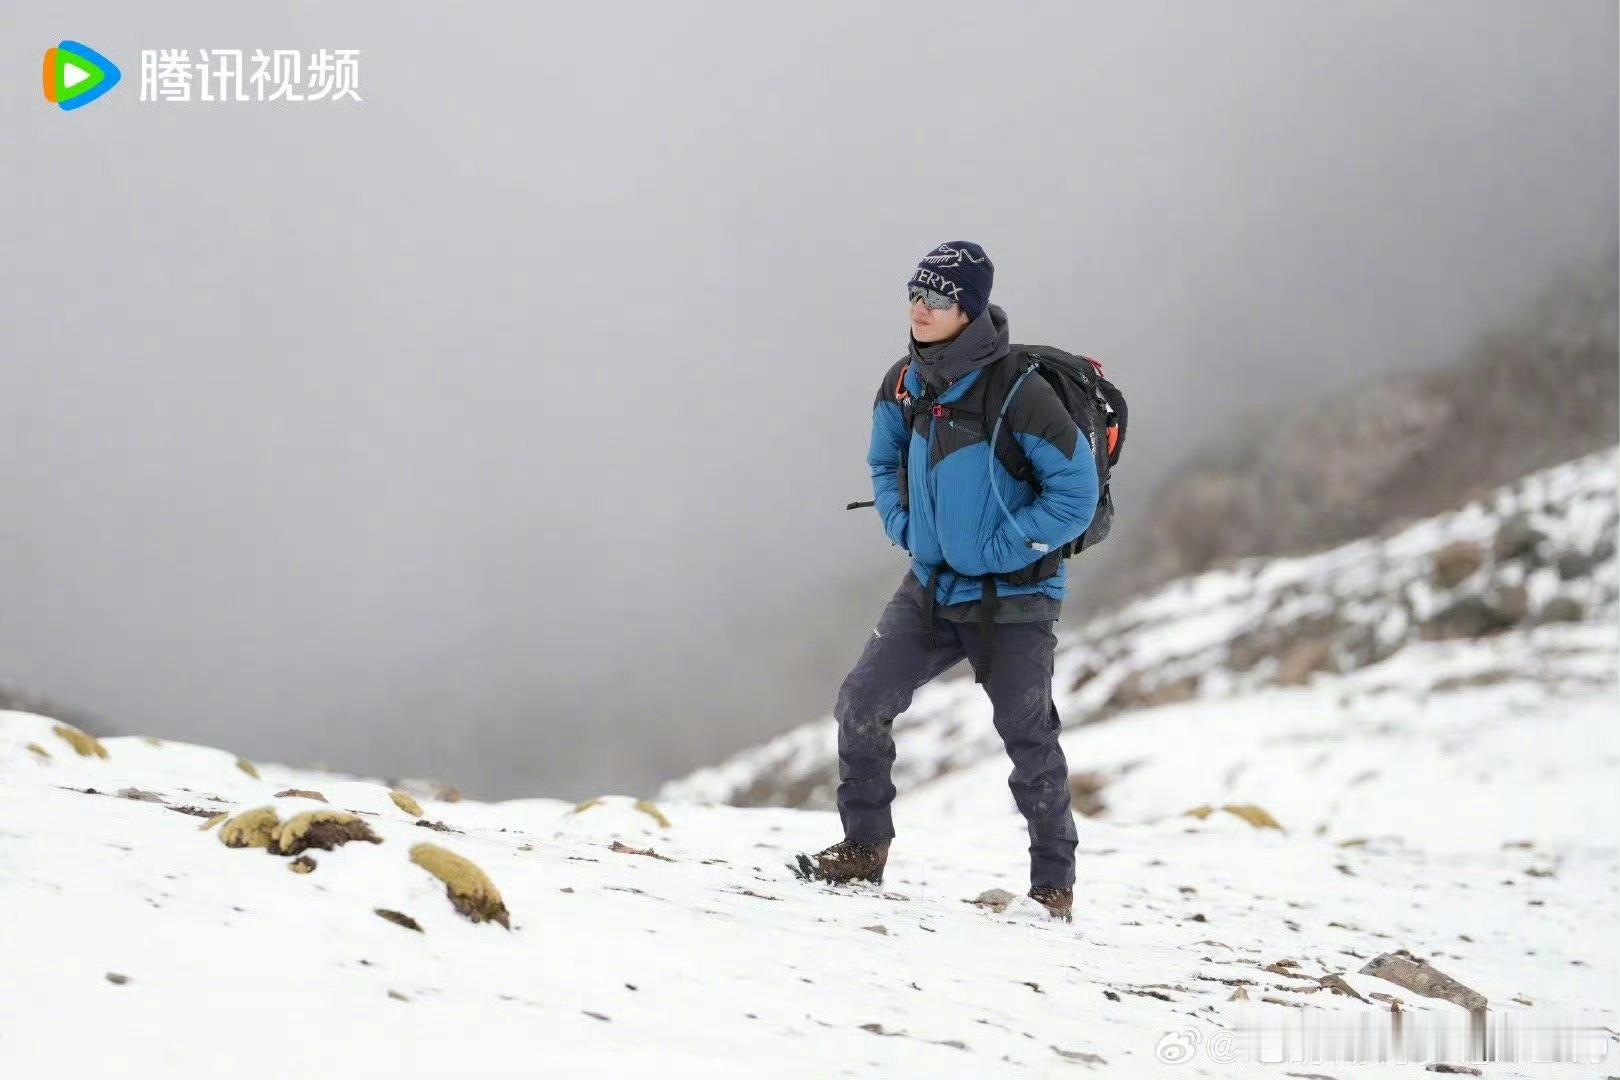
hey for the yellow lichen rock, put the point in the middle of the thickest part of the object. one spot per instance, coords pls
(1248, 812)
(38, 749)
(247, 766)
(406, 803)
(580, 808)
(153, 740)
(1254, 815)
(211, 822)
(324, 829)
(300, 793)
(652, 811)
(251, 829)
(469, 888)
(87, 745)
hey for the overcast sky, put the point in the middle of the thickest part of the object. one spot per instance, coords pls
(499, 427)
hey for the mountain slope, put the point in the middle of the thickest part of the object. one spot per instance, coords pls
(1539, 551)
(1540, 389)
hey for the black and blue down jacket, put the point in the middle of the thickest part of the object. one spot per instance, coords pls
(952, 522)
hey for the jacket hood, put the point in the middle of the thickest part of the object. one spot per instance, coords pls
(981, 343)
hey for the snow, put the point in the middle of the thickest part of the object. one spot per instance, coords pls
(1454, 798)
(718, 963)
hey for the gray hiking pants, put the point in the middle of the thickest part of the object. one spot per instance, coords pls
(897, 660)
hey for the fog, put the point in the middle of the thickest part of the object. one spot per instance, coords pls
(499, 427)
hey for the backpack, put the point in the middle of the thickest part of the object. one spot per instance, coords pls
(1097, 408)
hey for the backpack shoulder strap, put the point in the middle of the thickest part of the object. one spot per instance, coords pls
(998, 399)
(1024, 371)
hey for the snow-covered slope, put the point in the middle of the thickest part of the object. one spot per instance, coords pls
(137, 944)
(1455, 798)
(1541, 551)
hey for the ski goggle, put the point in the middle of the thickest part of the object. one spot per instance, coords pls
(935, 301)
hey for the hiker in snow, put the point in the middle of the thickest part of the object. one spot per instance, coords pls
(987, 576)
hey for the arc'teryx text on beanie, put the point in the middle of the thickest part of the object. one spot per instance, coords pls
(961, 270)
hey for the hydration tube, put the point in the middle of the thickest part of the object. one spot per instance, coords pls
(994, 436)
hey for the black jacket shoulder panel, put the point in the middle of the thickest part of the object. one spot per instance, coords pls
(1036, 410)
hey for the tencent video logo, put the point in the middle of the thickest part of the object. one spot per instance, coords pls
(76, 75)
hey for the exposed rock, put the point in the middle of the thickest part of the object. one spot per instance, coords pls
(117, 979)
(302, 865)
(139, 795)
(1513, 601)
(300, 793)
(1456, 562)
(1337, 984)
(1574, 564)
(323, 829)
(470, 891)
(254, 828)
(85, 744)
(192, 811)
(626, 849)
(1085, 792)
(1254, 815)
(1442, 1067)
(212, 821)
(1471, 617)
(994, 899)
(1133, 693)
(1516, 538)
(1419, 977)
(1305, 658)
(1561, 609)
(399, 918)
(646, 807)
(406, 803)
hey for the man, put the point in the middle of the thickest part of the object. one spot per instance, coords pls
(973, 589)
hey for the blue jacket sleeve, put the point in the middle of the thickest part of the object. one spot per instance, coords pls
(1066, 471)
(889, 441)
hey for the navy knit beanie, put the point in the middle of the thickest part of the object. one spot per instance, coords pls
(962, 271)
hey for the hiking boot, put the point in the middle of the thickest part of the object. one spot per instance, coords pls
(1058, 901)
(849, 861)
